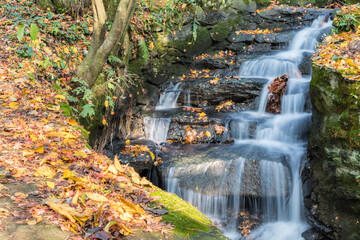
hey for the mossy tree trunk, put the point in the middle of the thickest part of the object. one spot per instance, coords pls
(102, 43)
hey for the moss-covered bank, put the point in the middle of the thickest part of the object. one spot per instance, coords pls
(334, 149)
(187, 220)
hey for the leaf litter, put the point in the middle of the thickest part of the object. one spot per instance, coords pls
(78, 189)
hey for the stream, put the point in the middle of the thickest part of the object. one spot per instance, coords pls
(259, 174)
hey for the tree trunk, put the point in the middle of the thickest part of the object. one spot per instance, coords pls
(102, 45)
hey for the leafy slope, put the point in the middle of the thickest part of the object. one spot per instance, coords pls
(72, 186)
(341, 51)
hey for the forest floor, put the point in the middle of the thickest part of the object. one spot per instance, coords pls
(51, 183)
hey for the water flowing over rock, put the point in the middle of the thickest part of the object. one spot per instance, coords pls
(260, 171)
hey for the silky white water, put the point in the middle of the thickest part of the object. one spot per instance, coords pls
(268, 188)
(156, 129)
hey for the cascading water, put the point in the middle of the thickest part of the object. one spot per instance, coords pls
(169, 98)
(156, 129)
(265, 176)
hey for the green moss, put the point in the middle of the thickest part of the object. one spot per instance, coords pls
(183, 43)
(187, 220)
(221, 30)
(334, 147)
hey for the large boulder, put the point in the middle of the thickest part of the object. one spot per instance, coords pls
(334, 149)
(237, 90)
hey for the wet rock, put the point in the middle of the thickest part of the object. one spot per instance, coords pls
(183, 131)
(334, 151)
(289, 17)
(213, 18)
(226, 89)
(241, 5)
(305, 66)
(140, 161)
(221, 31)
(313, 234)
(281, 38)
(210, 62)
(215, 171)
(149, 97)
(241, 37)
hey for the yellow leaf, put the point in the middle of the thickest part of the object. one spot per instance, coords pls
(152, 155)
(214, 81)
(208, 134)
(45, 120)
(60, 97)
(350, 61)
(61, 210)
(39, 149)
(45, 171)
(66, 50)
(106, 103)
(68, 174)
(96, 197)
(112, 169)
(151, 45)
(127, 142)
(130, 207)
(72, 122)
(13, 105)
(53, 155)
(21, 195)
(27, 153)
(104, 121)
(117, 164)
(50, 184)
(3, 211)
(75, 198)
(32, 222)
(80, 154)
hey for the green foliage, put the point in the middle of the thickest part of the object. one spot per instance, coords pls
(215, 4)
(20, 32)
(346, 21)
(88, 110)
(34, 31)
(143, 50)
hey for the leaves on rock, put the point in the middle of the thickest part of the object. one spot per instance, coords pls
(276, 90)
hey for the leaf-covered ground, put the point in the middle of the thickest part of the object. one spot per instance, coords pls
(341, 51)
(72, 186)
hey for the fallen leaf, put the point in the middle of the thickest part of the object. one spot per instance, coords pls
(60, 97)
(50, 184)
(96, 197)
(45, 171)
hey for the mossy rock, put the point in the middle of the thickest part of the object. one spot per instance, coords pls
(184, 42)
(318, 3)
(221, 31)
(61, 6)
(45, 4)
(334, 148)
(187, 220)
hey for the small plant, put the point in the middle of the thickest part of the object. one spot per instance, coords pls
(346, 21)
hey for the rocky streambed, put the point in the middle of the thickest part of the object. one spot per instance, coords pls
(215, 103)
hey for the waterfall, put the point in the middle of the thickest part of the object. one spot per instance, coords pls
(169, 98)
(263, 173)
(156, 129)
